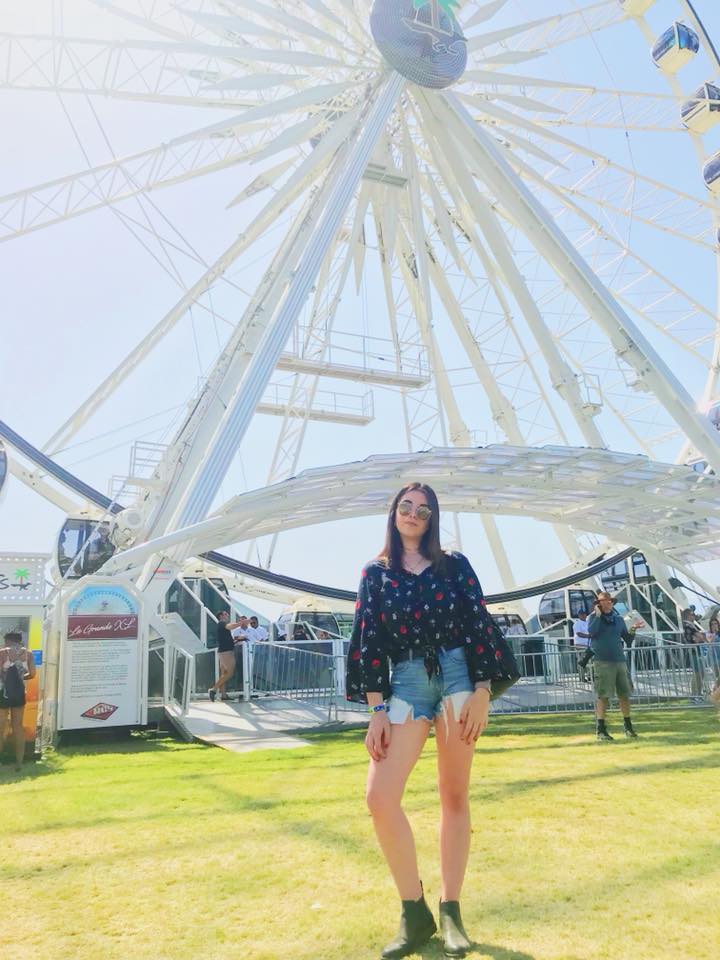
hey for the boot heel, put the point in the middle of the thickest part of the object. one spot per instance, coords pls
(455, 940)
(417, 925)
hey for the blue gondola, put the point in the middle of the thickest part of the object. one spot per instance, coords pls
(702, 111)
(83, 546)
(711, 174)
(675, 47)
(636, 8)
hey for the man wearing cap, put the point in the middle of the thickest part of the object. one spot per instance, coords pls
(607, 632)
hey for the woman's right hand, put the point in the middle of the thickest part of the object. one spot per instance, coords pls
(377, 739)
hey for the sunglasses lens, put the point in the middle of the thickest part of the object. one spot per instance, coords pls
(405, 508)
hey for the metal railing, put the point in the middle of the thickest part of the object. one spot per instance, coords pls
(180, 678)
(295, 673)
(661, 673)
(662, 670)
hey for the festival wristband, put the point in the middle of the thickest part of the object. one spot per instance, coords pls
(380, 707)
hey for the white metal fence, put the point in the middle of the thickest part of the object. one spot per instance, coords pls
(663, 673)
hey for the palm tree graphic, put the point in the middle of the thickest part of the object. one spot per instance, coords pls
(22, 574)
(434, 27)
(449, 6)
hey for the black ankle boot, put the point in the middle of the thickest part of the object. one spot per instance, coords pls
(455, 940)
(629, 729)
(417, 925)
(602, 732)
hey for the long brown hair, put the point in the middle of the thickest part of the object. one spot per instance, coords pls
(430, 546)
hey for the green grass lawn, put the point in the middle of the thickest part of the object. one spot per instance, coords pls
(159, 849)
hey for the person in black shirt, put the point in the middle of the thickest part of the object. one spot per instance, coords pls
(422, 652)
(226, 655)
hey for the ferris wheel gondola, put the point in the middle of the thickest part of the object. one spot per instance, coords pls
(675, 47)
(702, 111)
(711, 174)
(83, 545)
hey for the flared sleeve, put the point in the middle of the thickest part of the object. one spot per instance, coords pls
(482, 635)
(367, 662)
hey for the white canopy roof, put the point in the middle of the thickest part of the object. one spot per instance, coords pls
(628, 498)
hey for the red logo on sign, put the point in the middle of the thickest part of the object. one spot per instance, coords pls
(101, 711)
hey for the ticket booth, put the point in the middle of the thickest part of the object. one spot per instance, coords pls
(22, 610)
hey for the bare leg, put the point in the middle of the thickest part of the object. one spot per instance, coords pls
(601, 707)
(624, 706)
(16, 719)
(385, 787)
(454, 765)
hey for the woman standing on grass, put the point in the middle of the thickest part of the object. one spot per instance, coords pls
(16, 665)
(422, 611)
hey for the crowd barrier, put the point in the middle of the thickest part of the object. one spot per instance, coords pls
(552, 680)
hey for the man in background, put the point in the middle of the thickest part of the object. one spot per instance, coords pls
(226, 655)
(607, 632)
(258, 634)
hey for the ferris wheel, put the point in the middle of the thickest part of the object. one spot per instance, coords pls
(461, 213)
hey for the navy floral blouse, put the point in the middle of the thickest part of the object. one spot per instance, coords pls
(397, 611)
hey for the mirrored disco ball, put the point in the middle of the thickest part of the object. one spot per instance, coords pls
(421, 39)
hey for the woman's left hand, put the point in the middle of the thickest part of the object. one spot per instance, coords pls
(474, 715)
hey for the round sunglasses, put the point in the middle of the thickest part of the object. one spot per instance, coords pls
(406, 507)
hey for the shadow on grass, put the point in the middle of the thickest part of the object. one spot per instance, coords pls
(30, 771)
(434, 951)
(501, 953)
(675, 725)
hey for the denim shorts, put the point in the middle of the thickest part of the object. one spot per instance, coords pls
(416, 696)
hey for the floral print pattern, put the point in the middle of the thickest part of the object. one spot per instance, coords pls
(397, 611)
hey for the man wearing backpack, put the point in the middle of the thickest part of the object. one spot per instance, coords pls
(16, 665)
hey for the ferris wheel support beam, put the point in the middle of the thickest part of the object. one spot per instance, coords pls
(540, 228)
(308, 171)
(492, 271)
(293, 430)
(564, 380)
(203, 487)
(417, 284)
(37, 483)
(503, 412)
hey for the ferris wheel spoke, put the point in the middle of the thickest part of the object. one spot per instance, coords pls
(314, 349)
(562, 377)
(605, 185)
(665, 290)
(484, 12)
(162, 16)
(308, 171)
(276, 15)
(572, 25)
(627, 339)
(296, 101)
(109, 183)
(494, 271)
(444, 223)
(170, 74)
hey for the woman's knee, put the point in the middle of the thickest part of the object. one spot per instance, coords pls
(382, 802)
(454, 798)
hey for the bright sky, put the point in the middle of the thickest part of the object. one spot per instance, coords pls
(78, 296)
